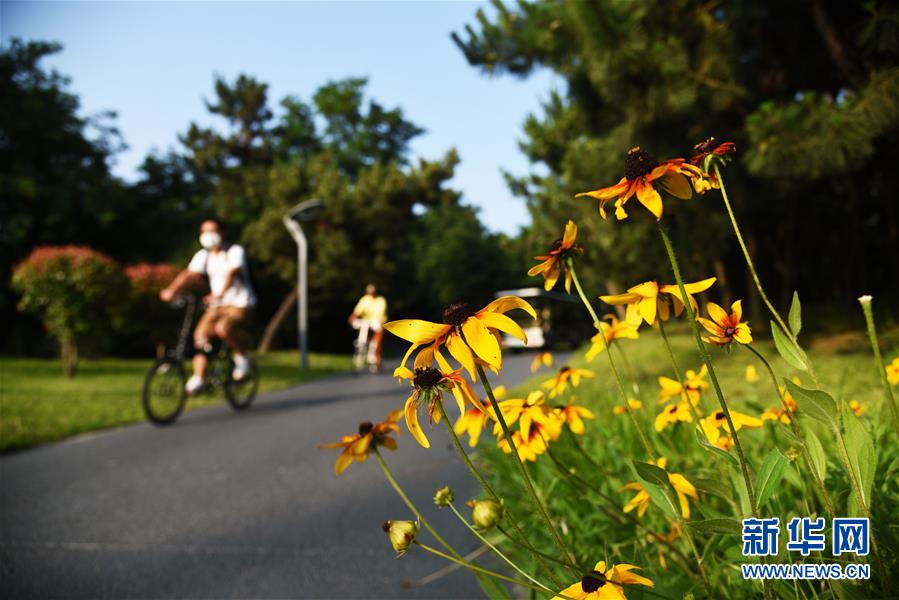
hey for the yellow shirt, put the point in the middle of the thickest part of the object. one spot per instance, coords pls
(371, 308)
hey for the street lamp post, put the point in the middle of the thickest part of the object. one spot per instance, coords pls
(304, 211)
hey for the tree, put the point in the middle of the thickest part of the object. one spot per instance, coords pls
(806, 90)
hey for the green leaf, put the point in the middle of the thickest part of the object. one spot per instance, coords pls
(795, 316)
(862, 454)
(661, 498)
(712, 486)
(714, 449)
(786, 349)
(651, 473)
(816, 452)
(727, 526)
(817, 404)
(770, 475)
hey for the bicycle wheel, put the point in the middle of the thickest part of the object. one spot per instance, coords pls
(240, 394)
(359, 361)
(163, 395)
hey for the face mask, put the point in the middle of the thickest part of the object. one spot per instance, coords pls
(210, 239)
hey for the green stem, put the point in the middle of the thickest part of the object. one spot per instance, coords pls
(707, 359)
(797, 430)
(624, 397)
(415, 511)
(479, 569)
(749, 263)
(524, 472)
(489, 489)
(527, 545)
(878, 360)
(495, 549)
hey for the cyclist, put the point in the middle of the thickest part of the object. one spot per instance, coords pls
(231, 295)
(372, 308)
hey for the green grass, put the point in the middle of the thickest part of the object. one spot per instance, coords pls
(38, 404)
(846, 369)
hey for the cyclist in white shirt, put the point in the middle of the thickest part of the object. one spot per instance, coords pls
(231, 295)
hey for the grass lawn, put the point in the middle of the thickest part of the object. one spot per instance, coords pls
(38, 404)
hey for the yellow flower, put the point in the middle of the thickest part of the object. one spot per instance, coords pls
(529, 445)
(428, 385)
(779, 413)
(554, 261)
(713, 425)
(682, 487)
(648, 299)
(644, 177)
(527, 411)
(480, 328)
(631, 403)
(566, 374)
(672, 414)
(357, 447)
(724, 327)
(892, 370)
(604, 584)
(475, 419)
(752, 375)
(401, 534)
(694, 385)
(856, 408)
(572, 415)
(608, 333)
(543, 358)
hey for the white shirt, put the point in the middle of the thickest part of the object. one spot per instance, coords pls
(216, 266)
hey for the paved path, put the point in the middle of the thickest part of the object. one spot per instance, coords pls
(226, 505)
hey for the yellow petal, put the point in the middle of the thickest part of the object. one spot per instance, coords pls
(651, 199)
(424, 358)
(461, 353)
(743, 334)
(507, 303)
(677, 185)
(481, 341)
(717, 313)
(416, 330)
(647, 308)
(343, 461)
(411, 412)
(737, 309)
(570, 234)
(503, 323)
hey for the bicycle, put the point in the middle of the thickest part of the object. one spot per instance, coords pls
(364, 351)
(164, 397)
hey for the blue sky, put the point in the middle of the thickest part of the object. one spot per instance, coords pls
(153, 63)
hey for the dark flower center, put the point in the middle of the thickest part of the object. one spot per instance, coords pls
(365, 427)
(564, 369)
(638, 163)
(719, 415)
(385, 526)
(592, 582)
(426, 377)
(672, 410)
(456, 313)
(730, 331)
(556, 245)
(706, 146)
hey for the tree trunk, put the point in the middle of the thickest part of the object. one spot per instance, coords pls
(275, 323)
(69, 354)
(723, 285)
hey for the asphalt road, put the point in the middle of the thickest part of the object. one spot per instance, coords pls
(228, 505)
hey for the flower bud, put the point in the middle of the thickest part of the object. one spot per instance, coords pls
(401, 534)
(444, 496)
(486, 514)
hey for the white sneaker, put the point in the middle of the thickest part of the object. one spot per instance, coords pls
(241, 367)
(194, 384)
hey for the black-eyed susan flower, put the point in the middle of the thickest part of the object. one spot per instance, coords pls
(542, 359)
(648, 299)
(604, 584)
(717, 432)
(673, 413)
(475, 419)
(468, 334)
(524, 412)
(610, 329)
(724, 327)
(779, 413)
(694, 385)
(632, 404)
(401, 534)
(682, 487)
(529, 445)
(572, 415)
(356, 447)
(428, 385)
(566, 375)
(485, 514)
(857, 408)
(705, 155)
(892, 370)
(752, 375)
(554, 261)
(644, 177)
